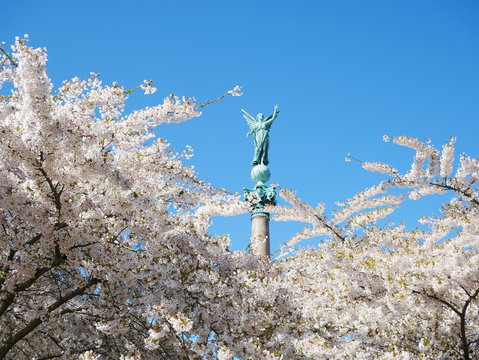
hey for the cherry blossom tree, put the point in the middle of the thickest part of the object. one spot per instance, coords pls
(105, 250)
(387, 291)
(104, 244)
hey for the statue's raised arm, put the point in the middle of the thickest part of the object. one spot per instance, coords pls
(269, 120)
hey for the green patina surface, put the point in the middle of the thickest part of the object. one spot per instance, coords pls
(261, 194)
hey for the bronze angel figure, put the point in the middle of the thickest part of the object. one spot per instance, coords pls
(259, 127)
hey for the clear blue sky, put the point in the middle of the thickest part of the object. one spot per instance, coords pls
(343, 72)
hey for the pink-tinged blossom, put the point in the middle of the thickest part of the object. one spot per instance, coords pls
(225, 354)
(180, 323)
(148, 87)
(447, 157)
(414, 144)
(379, 167)
(425, 190)
(89, 355)
(236, 91)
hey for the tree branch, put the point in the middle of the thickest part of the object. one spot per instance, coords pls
(55, 189)
(9, 57)
(457, 190)
(434, 297)
(12, 340)
(26, 284)
(331, 228)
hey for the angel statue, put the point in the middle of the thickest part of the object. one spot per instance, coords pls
(259, 127)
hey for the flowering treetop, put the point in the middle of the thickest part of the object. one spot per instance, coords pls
(103, 230)
(105, 251)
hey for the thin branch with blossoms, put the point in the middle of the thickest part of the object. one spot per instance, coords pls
(236, 91)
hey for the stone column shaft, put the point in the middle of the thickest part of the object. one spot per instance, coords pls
(260, 236)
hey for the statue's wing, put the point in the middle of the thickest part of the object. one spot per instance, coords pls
(249, 119)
